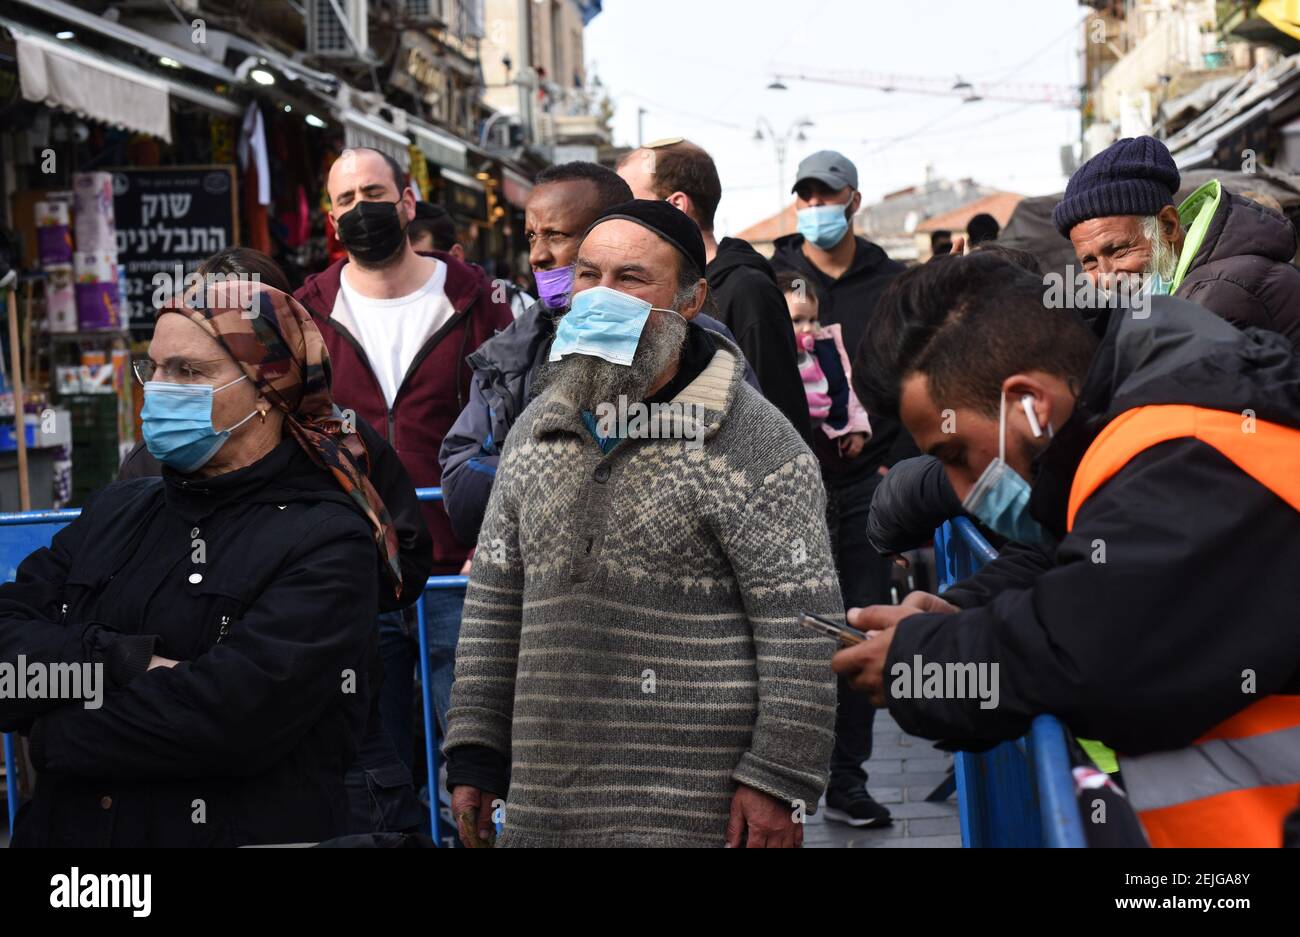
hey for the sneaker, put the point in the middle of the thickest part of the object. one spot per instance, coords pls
(856, 808)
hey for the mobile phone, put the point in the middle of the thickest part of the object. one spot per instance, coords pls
(843, 633)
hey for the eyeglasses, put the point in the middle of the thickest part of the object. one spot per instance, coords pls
(177, 372)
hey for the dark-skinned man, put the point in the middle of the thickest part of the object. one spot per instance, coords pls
(848, 274)
(633, 671)
(1164, 453)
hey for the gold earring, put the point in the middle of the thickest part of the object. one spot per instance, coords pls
(262, 414)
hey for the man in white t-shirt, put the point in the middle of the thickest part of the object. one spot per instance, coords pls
(398, 326)
(393, 330)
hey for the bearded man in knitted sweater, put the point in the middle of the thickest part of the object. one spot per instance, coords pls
(631, 671)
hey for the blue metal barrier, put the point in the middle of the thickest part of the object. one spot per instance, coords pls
(1018, 793)
(25, 533)
(28, 531)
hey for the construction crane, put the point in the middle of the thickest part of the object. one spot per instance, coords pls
(1062, 96)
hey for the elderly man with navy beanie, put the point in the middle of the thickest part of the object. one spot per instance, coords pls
(1227, 253)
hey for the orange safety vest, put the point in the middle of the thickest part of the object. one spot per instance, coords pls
(1235, 784)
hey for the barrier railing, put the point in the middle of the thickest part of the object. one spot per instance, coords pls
(35, 529)
(1018, 793)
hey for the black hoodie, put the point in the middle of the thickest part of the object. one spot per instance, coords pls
(850, 301)
(750, 304)
(1147, 650)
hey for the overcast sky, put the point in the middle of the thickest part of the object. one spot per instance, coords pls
(701, 68)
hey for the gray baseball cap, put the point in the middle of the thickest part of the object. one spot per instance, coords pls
(829, 168)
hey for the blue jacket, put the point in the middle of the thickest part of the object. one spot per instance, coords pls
(500, 389)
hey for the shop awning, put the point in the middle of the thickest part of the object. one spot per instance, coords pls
(81, 18)
(1283, 15)
(460, 178)
(440, 147)
(464, 195)
(1202, 150)
(99, 88)
(62, 77)
(362, 130)
(1256, 95)
(515, 187)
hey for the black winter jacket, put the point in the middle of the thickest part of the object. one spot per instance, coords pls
(749, 303)
(388, 475)
(1242, 269)
(1146, 650)
(247, 739)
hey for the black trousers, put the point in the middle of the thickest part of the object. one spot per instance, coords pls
(864, 580)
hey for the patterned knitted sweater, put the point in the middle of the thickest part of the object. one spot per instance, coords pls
(630, 636)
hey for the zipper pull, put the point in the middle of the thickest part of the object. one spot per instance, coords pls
(224, 630)
(63, 614)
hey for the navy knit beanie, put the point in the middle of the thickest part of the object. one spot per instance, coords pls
(1133, 176)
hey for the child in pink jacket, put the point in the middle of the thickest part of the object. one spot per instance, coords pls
(824, 367)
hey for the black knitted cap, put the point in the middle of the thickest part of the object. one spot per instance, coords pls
(665, 220)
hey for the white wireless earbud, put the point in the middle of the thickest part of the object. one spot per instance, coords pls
(1027, 401)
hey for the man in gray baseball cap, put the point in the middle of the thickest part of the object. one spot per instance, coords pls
(829, 168)
(848, 273)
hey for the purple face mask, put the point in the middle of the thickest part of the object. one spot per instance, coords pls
(554, 287)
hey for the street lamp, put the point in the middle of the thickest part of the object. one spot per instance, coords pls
(781, 142)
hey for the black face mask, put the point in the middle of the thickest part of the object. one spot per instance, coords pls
(372, 232)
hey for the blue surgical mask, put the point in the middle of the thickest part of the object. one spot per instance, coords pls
(177, 422)
(824, 225)
(1000, 498)
(604, 323)
(1155, 285)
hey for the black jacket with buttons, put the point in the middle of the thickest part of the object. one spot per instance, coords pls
(261, 582)
(387, 474)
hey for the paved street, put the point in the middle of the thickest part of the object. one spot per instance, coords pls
(902, 770)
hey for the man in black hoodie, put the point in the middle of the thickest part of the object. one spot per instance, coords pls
(1164, 450)
(848, 273)
(741, 281)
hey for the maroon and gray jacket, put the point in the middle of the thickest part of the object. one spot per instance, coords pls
(434, 390)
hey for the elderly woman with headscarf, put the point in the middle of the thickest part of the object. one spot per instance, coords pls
(228, 607)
